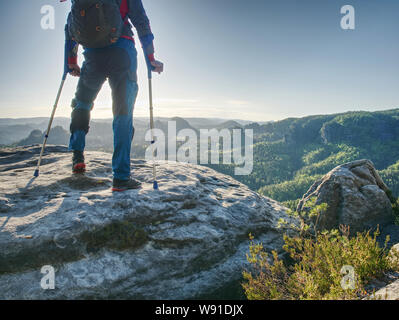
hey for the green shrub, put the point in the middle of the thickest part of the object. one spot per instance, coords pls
(315, 271)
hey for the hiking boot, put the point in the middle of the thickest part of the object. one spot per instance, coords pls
(78, 162)
(123, 185)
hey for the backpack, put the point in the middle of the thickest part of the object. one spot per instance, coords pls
(95, 23)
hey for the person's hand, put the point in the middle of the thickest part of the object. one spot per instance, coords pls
(75, 70)
(158, 66)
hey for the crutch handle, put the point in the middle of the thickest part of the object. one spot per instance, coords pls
(69, 46)
(150, 67)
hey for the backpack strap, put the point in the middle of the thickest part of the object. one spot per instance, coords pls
(124, 9)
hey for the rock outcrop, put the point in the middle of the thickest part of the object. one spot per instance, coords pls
(356, 197)
(389, 292)
(387, 286)
(187, 240)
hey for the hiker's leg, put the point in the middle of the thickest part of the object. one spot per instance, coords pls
(123, 82)
(91, 80)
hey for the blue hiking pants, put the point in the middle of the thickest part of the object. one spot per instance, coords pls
(118, 64)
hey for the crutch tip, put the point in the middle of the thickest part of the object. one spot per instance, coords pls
(36, 174)
(155, 185)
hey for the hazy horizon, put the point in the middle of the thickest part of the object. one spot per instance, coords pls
(204, 118)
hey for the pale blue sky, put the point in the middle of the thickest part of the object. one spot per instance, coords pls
(254, 60)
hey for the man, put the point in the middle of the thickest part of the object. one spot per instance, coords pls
(116, 62)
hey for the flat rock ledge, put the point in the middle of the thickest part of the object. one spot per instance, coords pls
(184, 241)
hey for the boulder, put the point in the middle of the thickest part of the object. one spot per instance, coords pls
(394, 255)
(356, 197)
(389, 292)
(186, 240)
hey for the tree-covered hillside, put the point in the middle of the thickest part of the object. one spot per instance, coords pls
(290, 155)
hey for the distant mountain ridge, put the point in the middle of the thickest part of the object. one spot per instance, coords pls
(58, 136)
(13, 131)
(291, 154)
